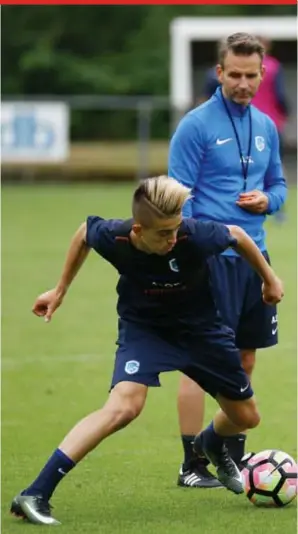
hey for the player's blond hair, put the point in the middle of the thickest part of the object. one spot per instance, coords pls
(160, 196)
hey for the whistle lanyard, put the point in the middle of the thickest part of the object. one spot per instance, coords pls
(244, 159)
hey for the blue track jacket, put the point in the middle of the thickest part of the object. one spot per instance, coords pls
(204, 156)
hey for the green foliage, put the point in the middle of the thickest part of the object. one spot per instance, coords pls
(99, 50)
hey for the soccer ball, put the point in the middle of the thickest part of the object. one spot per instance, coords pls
(270, 478)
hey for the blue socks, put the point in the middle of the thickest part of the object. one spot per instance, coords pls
(55, 469)
(211, 439)
(236, 447)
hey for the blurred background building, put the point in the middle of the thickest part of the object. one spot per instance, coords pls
(98, 98)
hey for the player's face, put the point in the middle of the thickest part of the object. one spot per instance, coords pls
(161, 237)
(240, 77)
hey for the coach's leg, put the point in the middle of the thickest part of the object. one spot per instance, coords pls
(190, 404)
(248, 360)
(124, 404)
(236, 443)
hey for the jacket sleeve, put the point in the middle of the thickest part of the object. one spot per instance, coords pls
(275, 183)
(185, 156)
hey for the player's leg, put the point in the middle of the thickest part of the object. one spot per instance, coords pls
(127, 397)
(124, 404)
(246, 313)
(142, 354)
(236, 443)
(257, 329)
(233, 418)
(216, 366)
(225, 280)
(193, 472)
(191, 404)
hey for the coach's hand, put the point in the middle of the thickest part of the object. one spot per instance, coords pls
(253, 201)
(47, 303)
(273, 292)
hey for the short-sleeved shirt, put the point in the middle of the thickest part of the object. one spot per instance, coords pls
(164, 291)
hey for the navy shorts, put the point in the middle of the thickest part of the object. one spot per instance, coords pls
(237, 290)
(208, 356)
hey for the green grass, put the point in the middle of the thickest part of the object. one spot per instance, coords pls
(52, 375)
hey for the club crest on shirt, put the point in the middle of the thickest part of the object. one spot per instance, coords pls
(173, 265)
(260, 143)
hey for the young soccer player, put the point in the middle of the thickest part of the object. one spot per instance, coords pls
(168, 321)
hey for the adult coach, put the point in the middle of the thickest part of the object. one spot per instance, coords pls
(227, 152)
(270, 97)
(162, 262)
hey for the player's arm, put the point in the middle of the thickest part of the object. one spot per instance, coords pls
(47, 303)
(185, 156)
(76, 255)
(245, 246)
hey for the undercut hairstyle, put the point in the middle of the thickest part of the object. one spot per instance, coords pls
(241, 44)
(158, 197)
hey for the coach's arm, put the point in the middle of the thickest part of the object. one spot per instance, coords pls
(186, 153)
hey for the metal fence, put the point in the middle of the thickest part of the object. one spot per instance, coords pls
(143, 106)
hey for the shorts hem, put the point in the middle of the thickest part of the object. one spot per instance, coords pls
(235, 397)
(135, 381)
(264, 345)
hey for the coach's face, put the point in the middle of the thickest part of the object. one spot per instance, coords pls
(160, 237)
(240, 77)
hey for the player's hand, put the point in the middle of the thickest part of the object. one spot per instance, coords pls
(273, 292)
(253, 201)
(47, 303)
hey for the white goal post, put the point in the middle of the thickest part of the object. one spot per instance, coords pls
(185, 30)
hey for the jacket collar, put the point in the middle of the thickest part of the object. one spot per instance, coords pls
(236, 110)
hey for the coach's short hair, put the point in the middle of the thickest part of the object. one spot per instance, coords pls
(160, 197)
(241, 44)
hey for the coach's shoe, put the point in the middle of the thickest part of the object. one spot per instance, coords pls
(197, 476)
(34, 508)
(227, 471)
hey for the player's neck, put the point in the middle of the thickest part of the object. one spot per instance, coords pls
(138, 243)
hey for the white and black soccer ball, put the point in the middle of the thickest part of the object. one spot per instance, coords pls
(270, 478)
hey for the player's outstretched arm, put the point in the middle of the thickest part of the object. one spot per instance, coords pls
(272, 286)
(47, 303)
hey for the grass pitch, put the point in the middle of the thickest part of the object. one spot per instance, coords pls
(54, 374)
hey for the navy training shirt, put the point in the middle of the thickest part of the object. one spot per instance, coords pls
(162, 291)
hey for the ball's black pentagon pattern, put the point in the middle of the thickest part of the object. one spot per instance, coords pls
(283, 477)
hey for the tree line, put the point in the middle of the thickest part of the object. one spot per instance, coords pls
(98, 50)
